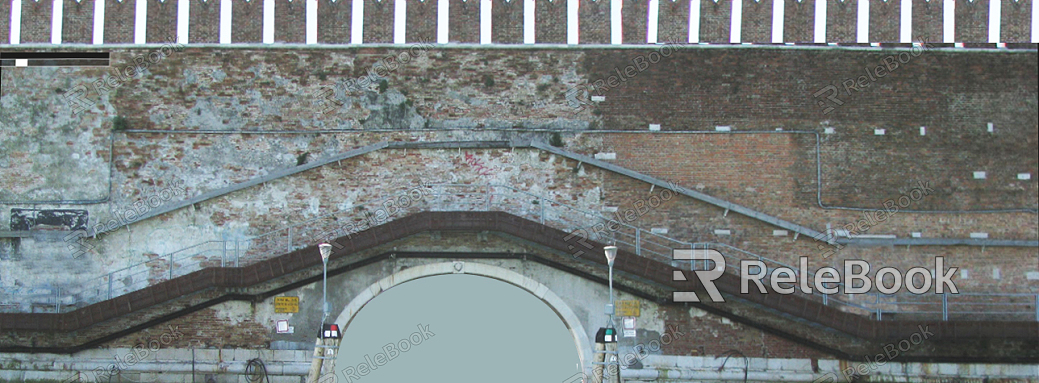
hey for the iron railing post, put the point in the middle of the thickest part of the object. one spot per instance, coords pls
(110, 285)
(945, 307)
(290, 240)
(57, 299)
(236, 255)
(1037, 307)
(542, 203)
(877, 302)
(171, 266)
(638, 244)
(223, 252)
(487, 196)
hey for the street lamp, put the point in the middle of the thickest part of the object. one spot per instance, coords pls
(325, 250)
(611, 255)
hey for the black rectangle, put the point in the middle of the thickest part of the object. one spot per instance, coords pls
(67, 219)
(54, 55)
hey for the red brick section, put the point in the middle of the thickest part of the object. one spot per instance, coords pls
(5, 22)
(202, 329)
(162, 22)
(756, 25)
(928, 21)
(1016, 18)
(36, 21)
(247, 19)
(799, 21)
(204, 22)
(78, 22)
(550, 21)
(971, 20)
(378, 21)
(842, 17)
(119, 21)
(507, 21)
(715, 21)
(635, 16)
(422, 22)
(673, 21)
(885, 21)
(594, 25)
(464, 22)
(290, 21)
(333, 22)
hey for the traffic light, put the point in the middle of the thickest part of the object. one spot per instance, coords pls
(606, 335)
(330, 331)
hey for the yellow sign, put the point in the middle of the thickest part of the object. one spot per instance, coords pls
(286, 304)
(627, 308)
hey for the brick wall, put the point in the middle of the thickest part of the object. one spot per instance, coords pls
(673, 21)
(756, 25)
(36, 21)
(1014, 25)
(333, 20)
(594, 22)
(205, 22)
(119, 21)
(162, 22)
(507, 22)
(928, 21)
(78, 22)
(799, 21)
(884, 21)
(634, 21)
(465, 22)
(550, 22)
(247, 17)
(422, 21)
(841, 20)
(290, 21)
(715, 21)
(5, 22)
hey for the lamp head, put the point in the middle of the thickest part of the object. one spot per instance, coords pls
(611, 253)
(325, 250)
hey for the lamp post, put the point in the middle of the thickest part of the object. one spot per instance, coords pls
(611, 255)
(325, 250)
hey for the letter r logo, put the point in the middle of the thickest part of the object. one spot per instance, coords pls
(706, 277)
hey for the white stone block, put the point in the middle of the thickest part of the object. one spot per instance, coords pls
(979, 235)
(917, 234)
(979, 175)
(923, 130)
(829, 131)
(658, 230)
(1032, 275)
(779, 233)
(723, 128)
(879, 132)
(606, 156)
(723, 232)
(598, 98)
(610, 209)
(654, 127)
(1024, 176)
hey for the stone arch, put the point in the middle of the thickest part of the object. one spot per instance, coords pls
(532, 286)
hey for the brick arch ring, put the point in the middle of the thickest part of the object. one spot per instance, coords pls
(532, 286)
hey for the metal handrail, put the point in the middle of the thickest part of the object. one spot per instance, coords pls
(489, 197)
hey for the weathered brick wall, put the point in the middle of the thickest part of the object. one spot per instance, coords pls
(378, 21)
(334, 22)
(971, 20)
(673, 21)
(119, 21)
(5, 22)
(841, 20)
(550, 22)
(885, 21)
(464, 19)
(247, 18)
(715, 21)
(422, 22)
(78, 22)
(799, 21)
(928, 21)
(1014, 25)
(634, 21)
(594, 22)
(204, 26)
(507, 22)
(756, 25)
(36, 21)
(711, 335)
(162, 22)
(290, 21)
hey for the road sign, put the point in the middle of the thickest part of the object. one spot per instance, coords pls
(629, 327)
(628, 308)
(286, 304)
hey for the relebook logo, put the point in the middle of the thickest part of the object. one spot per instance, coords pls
(855, 278)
